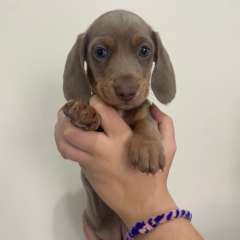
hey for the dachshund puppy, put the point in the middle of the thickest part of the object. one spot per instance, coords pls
(119, 49)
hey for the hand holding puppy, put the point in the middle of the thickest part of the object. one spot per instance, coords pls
(133, 195)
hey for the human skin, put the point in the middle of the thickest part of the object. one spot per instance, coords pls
(133, 195)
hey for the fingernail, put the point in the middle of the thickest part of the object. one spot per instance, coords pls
(154, 106)
(61, 113)
(93, 100)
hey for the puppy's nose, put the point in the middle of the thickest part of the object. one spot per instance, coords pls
(125, 92)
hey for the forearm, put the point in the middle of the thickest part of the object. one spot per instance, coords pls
(177, 229)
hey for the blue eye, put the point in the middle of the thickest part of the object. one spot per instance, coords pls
(101, 53)
(144, 51)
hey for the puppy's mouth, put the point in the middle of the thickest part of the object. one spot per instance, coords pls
(129, 104)
(124, 100)
(125, 104)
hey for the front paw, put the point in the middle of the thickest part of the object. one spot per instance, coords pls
(82, 115)
(146, 154)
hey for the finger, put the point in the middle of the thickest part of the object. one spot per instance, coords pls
(166, 125)
(61, 116)
(112, 123)
(70, 152)
(83, 140)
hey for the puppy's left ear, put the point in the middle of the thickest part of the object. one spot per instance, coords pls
(163, 77)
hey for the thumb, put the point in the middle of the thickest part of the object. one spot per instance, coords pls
(165, 123)
(166, 127)
(112, 123)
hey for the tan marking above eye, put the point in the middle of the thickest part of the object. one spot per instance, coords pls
(107, 41)
(137, 39)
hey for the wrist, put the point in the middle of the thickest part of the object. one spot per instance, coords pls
(155, 205)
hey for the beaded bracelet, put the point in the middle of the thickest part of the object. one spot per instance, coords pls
(150, 224)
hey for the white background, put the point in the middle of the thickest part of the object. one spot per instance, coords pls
(41, 194)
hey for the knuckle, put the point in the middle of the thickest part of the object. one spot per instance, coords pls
(68, 133)
(62, 150)
(169, 123)
(164, 119)
(126, 135)
(60, 114)
(169, 119)
(94, 102)
(65, 133)
(61, 147)
(174, 148)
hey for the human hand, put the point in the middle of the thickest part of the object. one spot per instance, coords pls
(133, 195)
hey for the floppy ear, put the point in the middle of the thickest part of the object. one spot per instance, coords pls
(75, 82)
(163, 77)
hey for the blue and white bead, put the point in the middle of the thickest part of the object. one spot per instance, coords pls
(150, 224)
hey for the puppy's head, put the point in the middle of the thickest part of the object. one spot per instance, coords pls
(119, 49)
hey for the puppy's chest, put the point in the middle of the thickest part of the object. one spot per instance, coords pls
(127, 117)
(134, 115)
(124, 115)
(121, 113)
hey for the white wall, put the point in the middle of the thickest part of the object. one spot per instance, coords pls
(41, 194)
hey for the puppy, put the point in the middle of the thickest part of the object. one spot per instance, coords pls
(119, 49)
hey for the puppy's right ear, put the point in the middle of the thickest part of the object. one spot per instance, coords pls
(75, 82)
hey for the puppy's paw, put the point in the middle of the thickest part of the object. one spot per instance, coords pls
(146, 154)
(82, 115)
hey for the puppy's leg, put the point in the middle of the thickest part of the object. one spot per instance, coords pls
(82, 115)
(145, 148)
(88, 231)
(102, 222)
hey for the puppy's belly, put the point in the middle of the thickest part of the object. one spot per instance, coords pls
(105, 224)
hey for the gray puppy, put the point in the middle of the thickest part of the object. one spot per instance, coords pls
(119, 49)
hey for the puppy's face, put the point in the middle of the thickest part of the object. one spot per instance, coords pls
(119, 59)
(119, 48)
